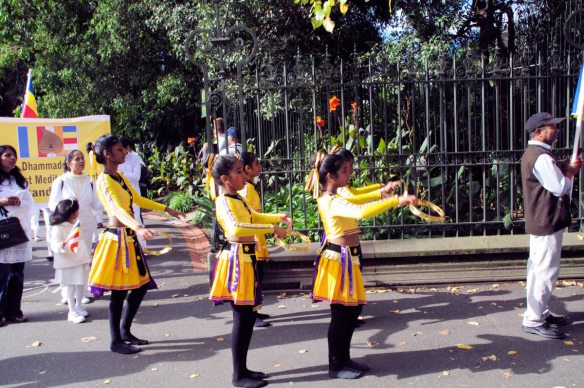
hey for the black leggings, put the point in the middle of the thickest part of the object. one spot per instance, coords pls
(117, 331)
(340, 332)
(243, 321)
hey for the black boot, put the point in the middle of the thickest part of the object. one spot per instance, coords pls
(134, 301)
(115, 314)
(338, 370)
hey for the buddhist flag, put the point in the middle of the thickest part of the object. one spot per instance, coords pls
(73, 238)
(29, 107)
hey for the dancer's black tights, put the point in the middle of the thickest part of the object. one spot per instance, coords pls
(340, 332)
(243, 320)
(115, 311)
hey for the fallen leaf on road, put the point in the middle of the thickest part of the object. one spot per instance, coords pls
(464, 346)
(302, 351)
(281, 306)
(394, 311)
(36, 344)
(43, 372)
(88, 339)
(472, 291)
(282, 295)
(417, 333)
(400, 290)
(512, 352)
(277, 365)
(434, 289)
(200, 298)
(220, 339)
(492, 357)
(166, 335)
(155, 305)
(445, 373)
(473, 323)
(174, 296)
(569, 343)
(154, 369)
(496, 285)
(108, 381)
(372, 343)
(445, 332)
(194, 376)
(186, 295)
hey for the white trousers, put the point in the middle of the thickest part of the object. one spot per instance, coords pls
(543, 268)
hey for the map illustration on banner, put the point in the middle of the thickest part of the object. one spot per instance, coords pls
(46, 141)
(42, 144)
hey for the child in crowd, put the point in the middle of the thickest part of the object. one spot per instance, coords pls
(338, 277)
(71, 269)
(235, 273)
(252, 169)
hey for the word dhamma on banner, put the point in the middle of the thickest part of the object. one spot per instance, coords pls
(42, 144)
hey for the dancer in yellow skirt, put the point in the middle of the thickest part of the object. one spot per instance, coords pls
(234, 275)
(253, 169)
(338, 277)
(118, 262)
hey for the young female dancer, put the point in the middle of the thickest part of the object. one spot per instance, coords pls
(252, 169)
(71, 268)
(118, 262)
(338, 271)
(234, 276)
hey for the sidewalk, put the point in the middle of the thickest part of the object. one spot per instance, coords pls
(409, 339)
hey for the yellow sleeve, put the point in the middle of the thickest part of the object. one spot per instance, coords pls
(341, 207)
(144, 203)
(111, 194)
(230, 217)
(266, 218)
(363, 190)
(364, 198)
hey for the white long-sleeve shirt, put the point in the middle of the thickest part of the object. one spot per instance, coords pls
(549, 174)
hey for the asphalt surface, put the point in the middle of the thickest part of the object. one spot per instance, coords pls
(456, 336)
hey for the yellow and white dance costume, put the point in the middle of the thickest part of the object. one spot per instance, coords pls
(118, 262)
(365, 194)
(338, 277)
(234, 277)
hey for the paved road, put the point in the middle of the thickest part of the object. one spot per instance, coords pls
(409, 339)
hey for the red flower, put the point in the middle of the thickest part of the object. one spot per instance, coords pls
(319, 122)
(354, 107)
(334, 103)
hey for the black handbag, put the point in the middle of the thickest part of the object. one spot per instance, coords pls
(11, 232)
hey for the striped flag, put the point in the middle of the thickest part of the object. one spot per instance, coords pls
(578, 96)
(29, 107)
(73, 238)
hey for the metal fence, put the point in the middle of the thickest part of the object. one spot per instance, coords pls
(452, 126)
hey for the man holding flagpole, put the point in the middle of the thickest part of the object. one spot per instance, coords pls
(546, 197)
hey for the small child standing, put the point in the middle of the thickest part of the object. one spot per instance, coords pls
(253, 169)
(71, 270)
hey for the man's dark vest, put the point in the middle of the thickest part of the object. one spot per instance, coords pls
(544, 212)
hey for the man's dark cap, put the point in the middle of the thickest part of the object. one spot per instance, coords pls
(540, 119)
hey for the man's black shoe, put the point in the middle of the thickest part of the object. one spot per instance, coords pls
(50, 258)
(261, 323)
(544, 331)
(554, 320)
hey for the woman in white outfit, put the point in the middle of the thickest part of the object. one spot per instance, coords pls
(74, 184)
(16, 198)
(132, 169)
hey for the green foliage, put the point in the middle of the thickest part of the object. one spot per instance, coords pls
(171, 171)
(180, 201)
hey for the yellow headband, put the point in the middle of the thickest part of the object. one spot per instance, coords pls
(336, 148)
(210, 183)
(313, 182)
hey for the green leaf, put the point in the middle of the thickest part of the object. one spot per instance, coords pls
(508, 221)
(381, 146)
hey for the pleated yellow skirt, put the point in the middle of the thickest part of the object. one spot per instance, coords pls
(118, 266)
(333, 282)
(234, 277)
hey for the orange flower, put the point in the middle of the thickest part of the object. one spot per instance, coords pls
(354, 107)
(334, 103)
(319, 122)
(190, 140)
